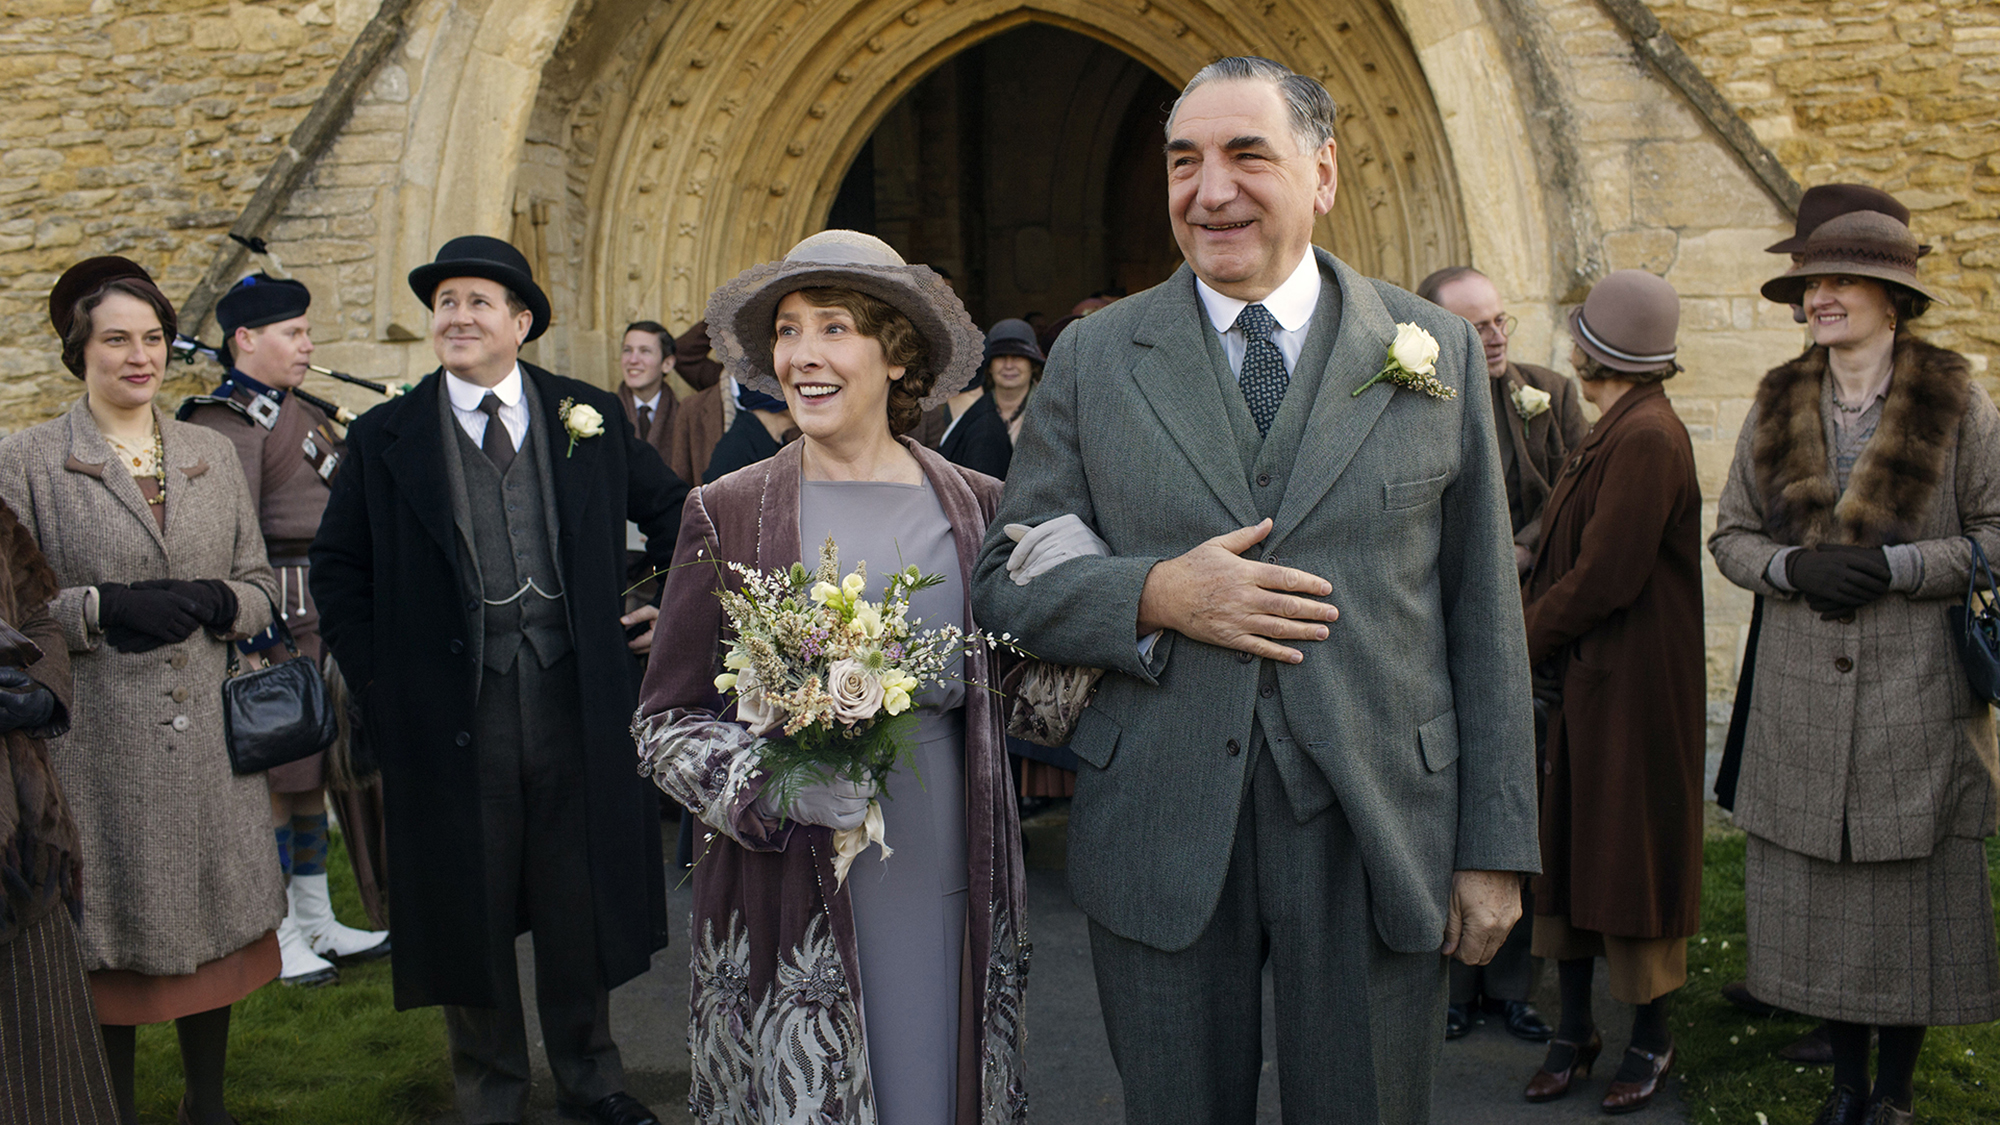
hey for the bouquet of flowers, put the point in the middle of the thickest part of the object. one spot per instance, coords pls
(827, 678)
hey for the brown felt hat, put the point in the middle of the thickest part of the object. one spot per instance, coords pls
(742, 312)
(1629, 321)
(87, 277)
(1830, 201)
(1857, 244)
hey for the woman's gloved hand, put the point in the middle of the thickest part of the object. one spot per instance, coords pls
(1040, 549)
(141, 618)
(24, 704)
(1836, 578)
(838, 804)
(214, 602)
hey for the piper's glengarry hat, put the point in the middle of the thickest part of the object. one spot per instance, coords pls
(261, 299)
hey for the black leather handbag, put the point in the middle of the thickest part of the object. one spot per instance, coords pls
(1975, 629)
(275, 715)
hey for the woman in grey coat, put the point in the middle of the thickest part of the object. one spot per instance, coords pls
(1869, 773)
(152, 535)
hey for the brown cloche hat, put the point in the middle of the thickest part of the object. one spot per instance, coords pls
(741, 312)
(1628, 322)
(1857, 244)
(87, 277)
(1829, 201)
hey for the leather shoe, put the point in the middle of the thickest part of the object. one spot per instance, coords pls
(615, 1109)
(1524, 1022)
(1457, 1021)
(1737, 992)
(1880, 1112)
(1548, 1085)
(1628, 1097)
(1842, 1107)
(1814, 1048)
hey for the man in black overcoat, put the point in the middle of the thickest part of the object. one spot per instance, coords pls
(468, 572)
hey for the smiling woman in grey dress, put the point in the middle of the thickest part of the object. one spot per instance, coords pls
(893, 998)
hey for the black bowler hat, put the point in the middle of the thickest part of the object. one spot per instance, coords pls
(475, 255)
(261, 299)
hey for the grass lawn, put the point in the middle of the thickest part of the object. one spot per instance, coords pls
(1729, 1072)
(317, 1056)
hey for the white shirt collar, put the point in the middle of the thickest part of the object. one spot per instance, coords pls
(651, 403)
(468, 395)
(1291, 304)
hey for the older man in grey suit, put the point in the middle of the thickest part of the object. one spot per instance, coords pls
(1346, 793)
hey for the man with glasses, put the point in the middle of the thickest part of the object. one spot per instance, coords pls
(1539, 420)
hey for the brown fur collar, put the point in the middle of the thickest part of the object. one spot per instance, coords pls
(1894, 478)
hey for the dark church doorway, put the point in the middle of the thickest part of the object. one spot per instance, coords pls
(1028, 166)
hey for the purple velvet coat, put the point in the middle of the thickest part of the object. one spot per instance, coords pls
(776, 1031)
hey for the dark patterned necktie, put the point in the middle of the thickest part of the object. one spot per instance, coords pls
(498, 444)
(645, 423)
(1263, 377)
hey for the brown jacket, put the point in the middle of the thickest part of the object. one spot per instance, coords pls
(661, 435)
(176, 848)
(40, 864)
(697, 425)
(1532, 450)
(1863, 730)
(1615, 598)
(290, 495)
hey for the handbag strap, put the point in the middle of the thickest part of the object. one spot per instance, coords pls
(1973, 602)
(292, 646)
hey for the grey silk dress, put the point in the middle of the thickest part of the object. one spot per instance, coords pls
(909, 910)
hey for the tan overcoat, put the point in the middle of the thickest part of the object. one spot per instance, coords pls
(1866, 723)
(179, 867)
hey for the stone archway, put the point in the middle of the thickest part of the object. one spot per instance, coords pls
(737, 135)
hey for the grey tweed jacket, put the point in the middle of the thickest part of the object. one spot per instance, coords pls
(178, 867)
(1416, 710)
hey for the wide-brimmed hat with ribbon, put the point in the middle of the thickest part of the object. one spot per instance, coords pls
(742, 312)
(1628, 322)
(1830, 201)
(1858, 244)
(476, 255)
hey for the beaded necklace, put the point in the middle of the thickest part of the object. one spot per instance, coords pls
(139, 467)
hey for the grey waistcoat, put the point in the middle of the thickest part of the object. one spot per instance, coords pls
(1269, 458)
(512, 534)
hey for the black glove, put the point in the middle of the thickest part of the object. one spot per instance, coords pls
(141, 620)
(1837, 579)
(214, 602)
(24, 704)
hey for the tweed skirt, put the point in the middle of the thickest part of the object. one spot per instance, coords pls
(52, 1068)
(1903, 943)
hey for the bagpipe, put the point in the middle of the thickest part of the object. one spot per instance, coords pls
(189, 350)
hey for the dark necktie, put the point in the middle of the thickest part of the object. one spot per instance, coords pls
(498, 445)
(645, 423)
(1263, 377)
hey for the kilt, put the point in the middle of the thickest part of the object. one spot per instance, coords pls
(1903, 943)
(52, 1068)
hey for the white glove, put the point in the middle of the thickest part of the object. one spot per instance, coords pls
(1039, 549)
(837, 804)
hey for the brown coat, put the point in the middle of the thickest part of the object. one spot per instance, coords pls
(40, 864)
(1864, 729)
(290, 495)
(769, 942)
(1532, 450)
(698, 424)
(178, 869)
(1615, 598)
(661, 435)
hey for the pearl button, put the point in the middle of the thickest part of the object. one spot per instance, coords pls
(180, 722)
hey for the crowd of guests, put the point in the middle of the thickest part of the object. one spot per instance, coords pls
(488, 569)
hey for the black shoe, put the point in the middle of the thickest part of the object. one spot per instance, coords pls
(615, 1109)
(1842, 1107)
(1457, 1021)
(1881, 1112)
(1524, 1022)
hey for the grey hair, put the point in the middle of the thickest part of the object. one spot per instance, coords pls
(1310, 106)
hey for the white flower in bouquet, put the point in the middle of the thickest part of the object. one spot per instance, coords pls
(857, 692)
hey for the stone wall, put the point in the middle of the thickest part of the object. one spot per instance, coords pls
(138, 127)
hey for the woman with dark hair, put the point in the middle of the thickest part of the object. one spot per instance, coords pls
(785, 956)
(1614, 615)
(151, 533)
(1866, 470)
(52, 1069)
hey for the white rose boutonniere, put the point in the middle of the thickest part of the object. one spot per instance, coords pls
(1530, 402)
(1412, 364)
(580, 421)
